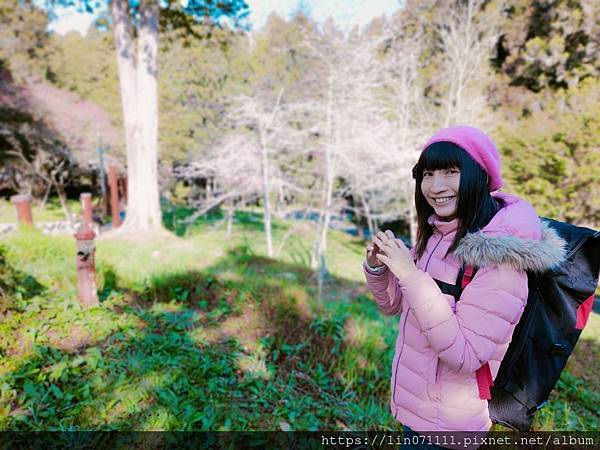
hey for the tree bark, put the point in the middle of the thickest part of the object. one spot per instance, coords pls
(368, 216)
(280, 202)
(62, 196)
(139, 96)
(45, 198)
(265, 185)
(230, 213)
(127, 78)
(264, 148)
(208, 189)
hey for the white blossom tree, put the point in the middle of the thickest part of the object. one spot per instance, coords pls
(407, 109)
(467, 35)
(246, 162)
(355, 143)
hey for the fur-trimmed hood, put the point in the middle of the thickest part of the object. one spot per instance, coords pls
(480, 250)
(515, 236)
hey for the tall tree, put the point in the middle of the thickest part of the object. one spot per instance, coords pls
(197, 78)
(405, 105)
(552, 156)
(136, 30)
(267, 114)
(345, 102)
(467, 34)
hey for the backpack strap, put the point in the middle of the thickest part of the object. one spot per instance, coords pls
(448, 289)
(483, 374)
(484, 382)
(467, 276)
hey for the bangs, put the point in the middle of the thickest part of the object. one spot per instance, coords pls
(439, 156)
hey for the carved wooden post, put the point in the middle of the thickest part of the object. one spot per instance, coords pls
(86, 267)
(114, 196)
(86, 205)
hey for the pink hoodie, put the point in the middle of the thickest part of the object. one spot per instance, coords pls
(441, 344)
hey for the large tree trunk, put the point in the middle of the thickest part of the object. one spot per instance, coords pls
(139, 96)
(127, 78)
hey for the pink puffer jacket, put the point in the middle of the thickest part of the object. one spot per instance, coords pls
(441, 344)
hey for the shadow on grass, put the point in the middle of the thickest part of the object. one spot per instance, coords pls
(15, 285)
(109, 282)
(239, 346)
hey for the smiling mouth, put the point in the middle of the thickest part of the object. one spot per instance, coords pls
(443, 200)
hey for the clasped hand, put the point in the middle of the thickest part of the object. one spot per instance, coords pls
(392, 252)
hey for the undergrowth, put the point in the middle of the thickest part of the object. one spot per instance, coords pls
(209, 334)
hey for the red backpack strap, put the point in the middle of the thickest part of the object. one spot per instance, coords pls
(483, 374)
(484, 382)
(467, 276)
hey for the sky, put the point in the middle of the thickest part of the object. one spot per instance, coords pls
(346, 13)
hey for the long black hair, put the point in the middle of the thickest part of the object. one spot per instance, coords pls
(475, 207)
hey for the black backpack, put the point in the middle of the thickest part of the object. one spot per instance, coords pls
(558, 305)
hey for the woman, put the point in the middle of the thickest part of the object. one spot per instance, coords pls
(463, 220)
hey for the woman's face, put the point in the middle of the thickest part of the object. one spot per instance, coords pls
(440, 189)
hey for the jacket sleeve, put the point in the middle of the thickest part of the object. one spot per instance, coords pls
(485, 318)
(386, 291)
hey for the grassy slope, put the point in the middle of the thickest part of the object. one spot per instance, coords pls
(206, 333)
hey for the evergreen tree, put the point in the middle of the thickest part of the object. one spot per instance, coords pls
(551, 157)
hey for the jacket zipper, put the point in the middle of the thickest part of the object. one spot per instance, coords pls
(398, 360)
(432, 252)
(404, 327)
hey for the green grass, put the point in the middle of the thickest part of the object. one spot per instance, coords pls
(204, 332)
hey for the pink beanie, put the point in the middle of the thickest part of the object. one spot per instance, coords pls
(478, 145)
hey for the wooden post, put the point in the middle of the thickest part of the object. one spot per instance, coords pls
(105, 198)
(86, 267)
(86, 205)
(125, 187)
(114, 196)
(23, 208)
(122, 183)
